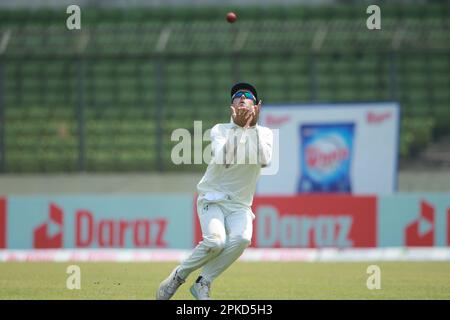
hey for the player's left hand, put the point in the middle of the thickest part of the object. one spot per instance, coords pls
(255, 117)
(249, 115)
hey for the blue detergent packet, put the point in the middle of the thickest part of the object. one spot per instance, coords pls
(326, 157)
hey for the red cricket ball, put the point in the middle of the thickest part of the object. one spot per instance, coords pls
(231, 17)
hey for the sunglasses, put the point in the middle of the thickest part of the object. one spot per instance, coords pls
(247, 95)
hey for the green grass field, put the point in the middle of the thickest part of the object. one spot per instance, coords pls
(244, 280)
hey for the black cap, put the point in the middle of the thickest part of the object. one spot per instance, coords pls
(244, 86)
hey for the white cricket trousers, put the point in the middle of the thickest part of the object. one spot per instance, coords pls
(227, 230)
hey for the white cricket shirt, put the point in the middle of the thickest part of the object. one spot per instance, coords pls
(237, 157)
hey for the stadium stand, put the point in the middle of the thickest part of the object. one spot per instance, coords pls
(107, 97)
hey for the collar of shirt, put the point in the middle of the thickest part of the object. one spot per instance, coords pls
(235, 126)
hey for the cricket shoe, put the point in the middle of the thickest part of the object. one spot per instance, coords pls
(200, 289)
(169, 286)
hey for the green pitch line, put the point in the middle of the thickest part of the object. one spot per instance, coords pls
(244, 280)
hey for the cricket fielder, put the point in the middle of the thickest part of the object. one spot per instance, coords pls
(225, 194)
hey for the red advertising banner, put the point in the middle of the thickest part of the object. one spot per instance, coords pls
(2, 223)
(448, 227)
(313, 221)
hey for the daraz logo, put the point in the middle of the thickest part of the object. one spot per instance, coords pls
(50, 233)
(105, 233)
(420, 232)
